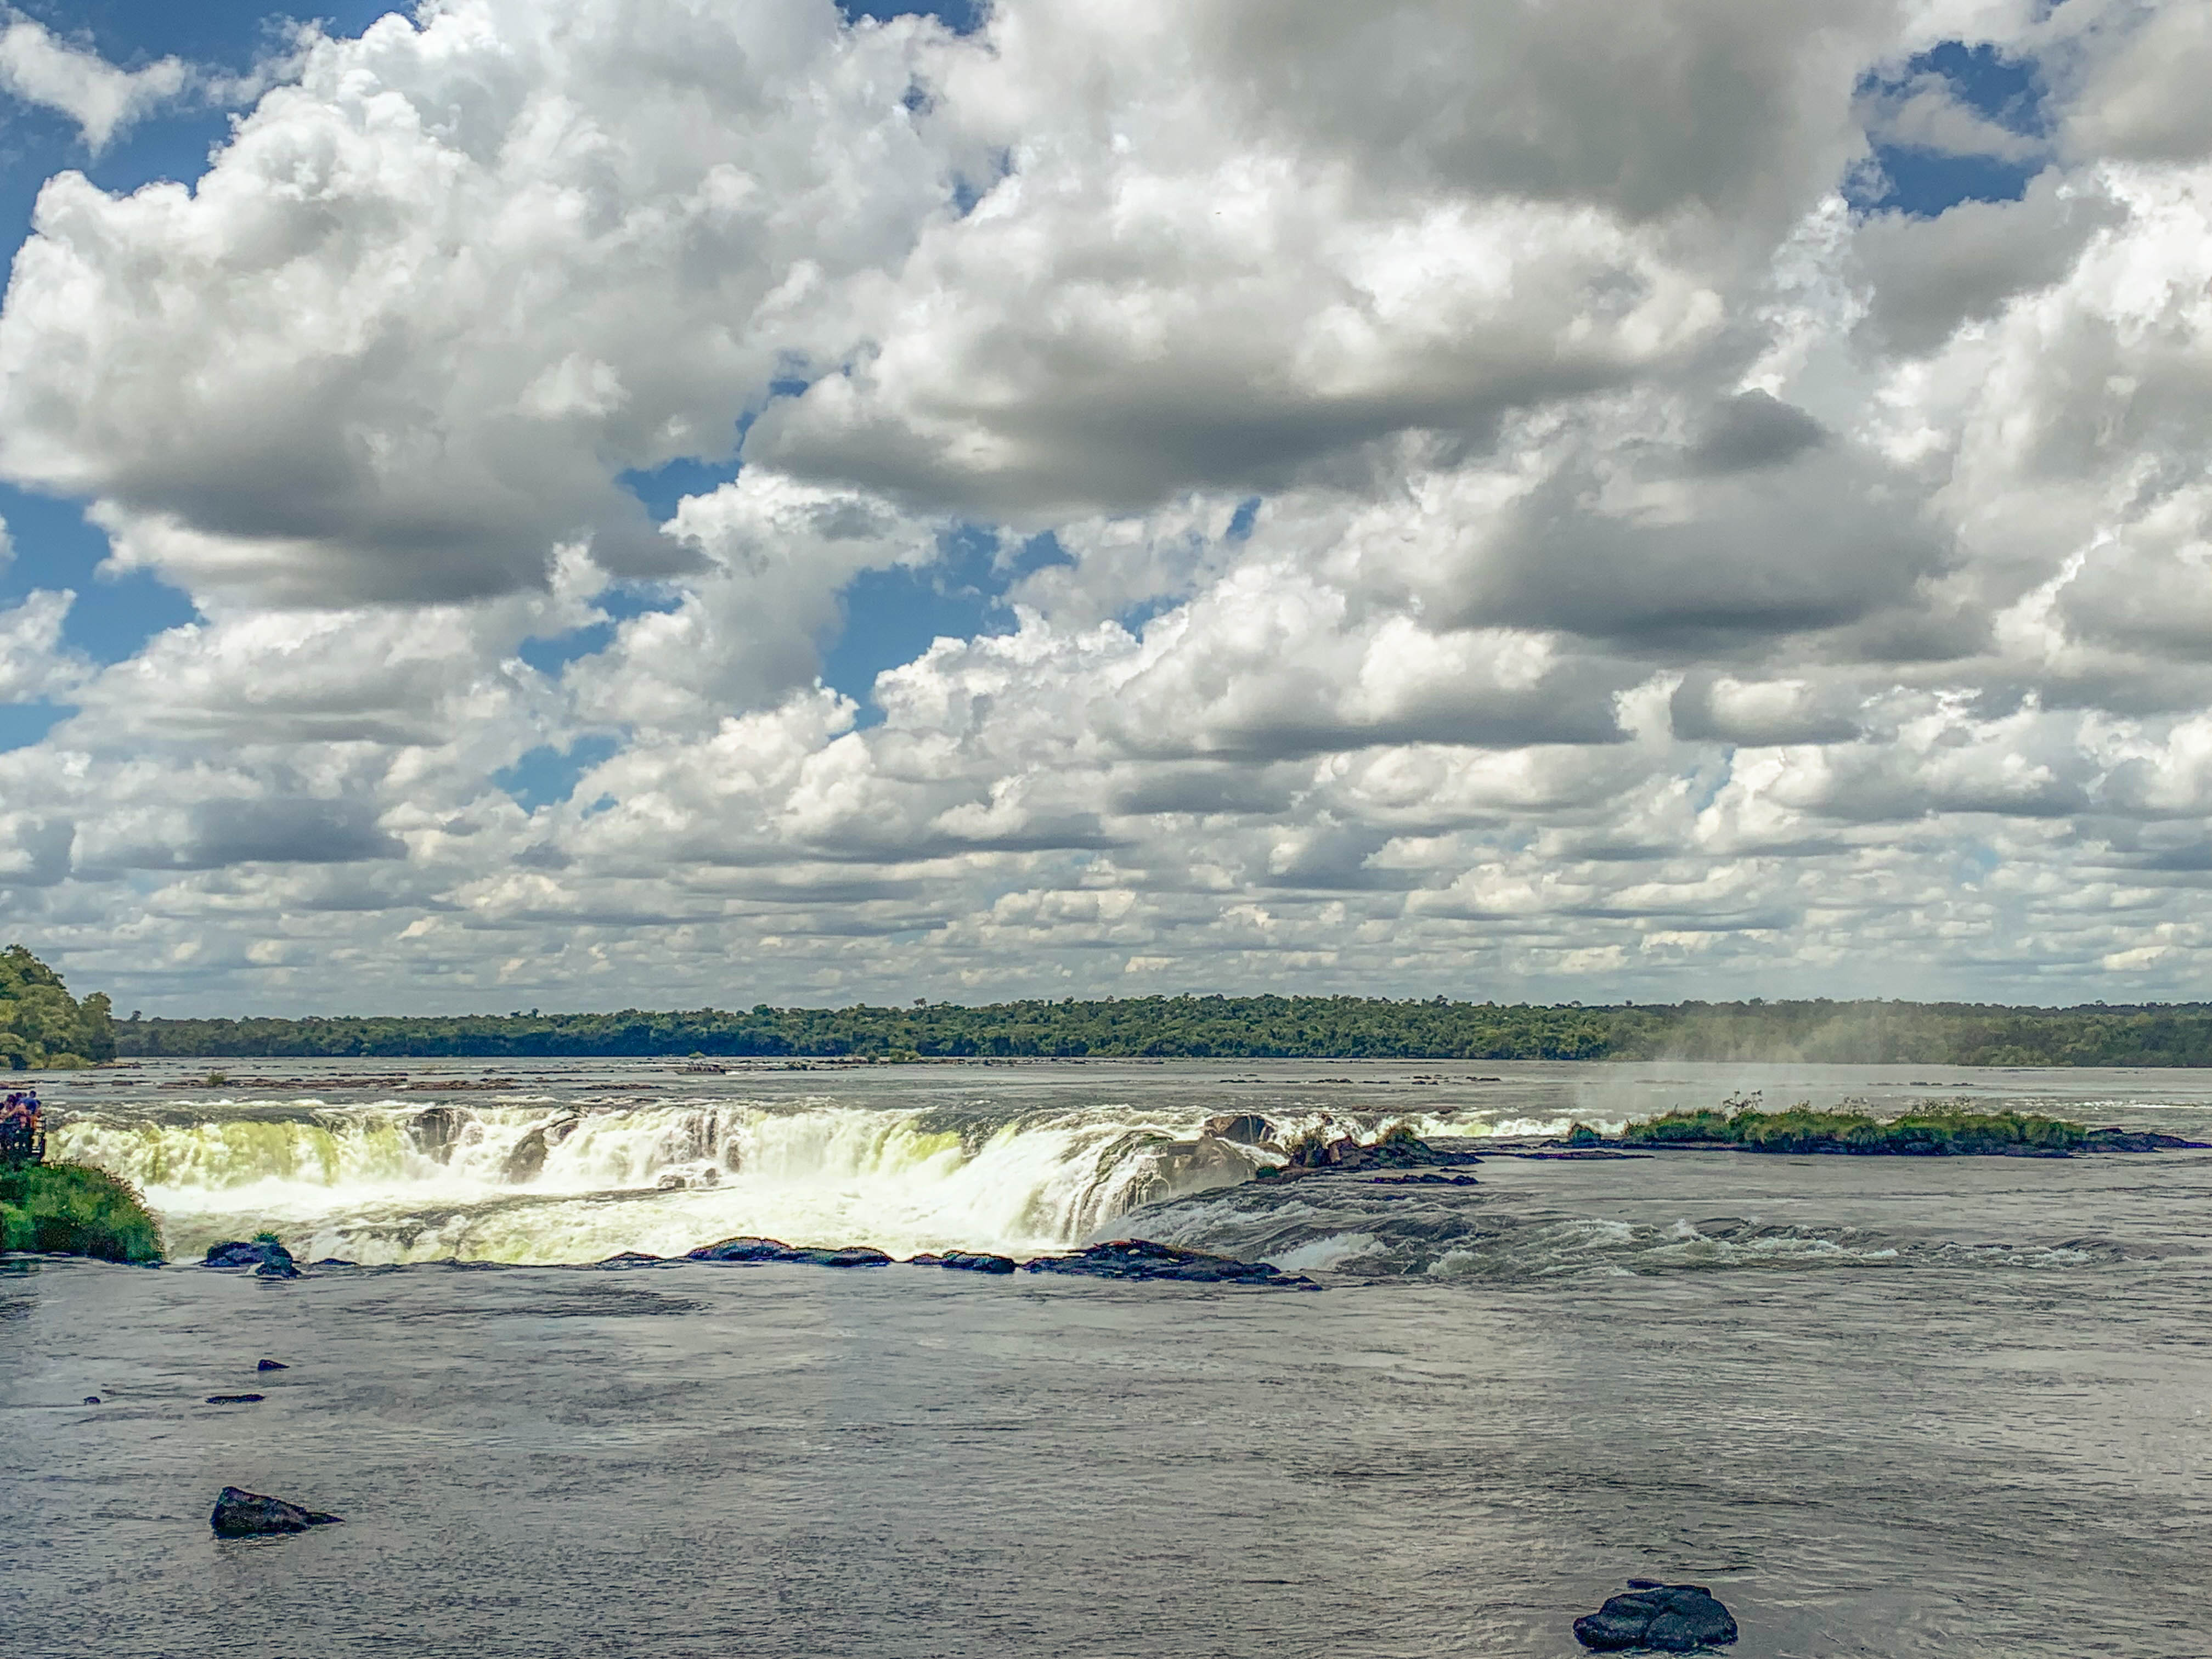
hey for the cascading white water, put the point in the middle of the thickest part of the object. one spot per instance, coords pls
(535, 1180)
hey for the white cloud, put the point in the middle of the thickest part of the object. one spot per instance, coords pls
(40, 66)
(33, 663)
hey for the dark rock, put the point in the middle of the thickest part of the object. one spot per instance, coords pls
(236, 1399)
(1139, 1258)
(1166, 1169)
(1671, 1618)
(771, 1249)
(1246, 1129)
(527, 1161)
(1395, 1151)
(742, 1250)
(247, 1253)
(628, 1259)
(848, 1255)
(92, 1399)
(272, 1366)
(974, 1262)
(333, 1261)
(1579, 1155)
(248, 1514)
(1426, 1178)
(276, 1269)
(438, 1130)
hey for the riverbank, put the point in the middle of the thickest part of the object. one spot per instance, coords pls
(71, 1209)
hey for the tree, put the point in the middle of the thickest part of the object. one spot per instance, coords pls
(41, 1026)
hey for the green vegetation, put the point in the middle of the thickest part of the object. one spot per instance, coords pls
(73, 1210)
(41, 1026)
(1935, 1131)
(1233, 1028)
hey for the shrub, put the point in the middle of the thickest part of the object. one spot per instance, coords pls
(72, 1210)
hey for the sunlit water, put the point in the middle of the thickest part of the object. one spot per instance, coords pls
(1884, 1406)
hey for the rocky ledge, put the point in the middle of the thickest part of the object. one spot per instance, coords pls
(1400, 1149)
(1124, 1258)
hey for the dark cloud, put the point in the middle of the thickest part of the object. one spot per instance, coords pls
(284, 830)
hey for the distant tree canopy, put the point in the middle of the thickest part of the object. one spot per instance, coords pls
(41, 1025)
(1248, 1028)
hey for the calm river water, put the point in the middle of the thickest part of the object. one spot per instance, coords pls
(1883, 1406)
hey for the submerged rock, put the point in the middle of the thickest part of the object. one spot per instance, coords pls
(1671, 1618)
(1140, 1258)
(1247, 1129)
(239, 1514)
(236, 1399)
(272, 1366)
(2131, 1140)
(974, 1262)
(630, 1259)
(774, 1250)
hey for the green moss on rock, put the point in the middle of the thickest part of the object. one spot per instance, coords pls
(72, 1210)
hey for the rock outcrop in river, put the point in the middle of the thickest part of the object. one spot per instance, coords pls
(1671, 1618)
(1139, 1258)
(240, 1514)
(772, 1249)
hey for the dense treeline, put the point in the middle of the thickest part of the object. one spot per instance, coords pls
(41, 1025)
(1224, 1028)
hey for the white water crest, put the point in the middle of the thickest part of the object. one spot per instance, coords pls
(540, 1181)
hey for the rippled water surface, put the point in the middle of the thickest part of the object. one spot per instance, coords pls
(1883, 1407)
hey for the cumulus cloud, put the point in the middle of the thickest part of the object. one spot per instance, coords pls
(436, 295)
(1515, 527)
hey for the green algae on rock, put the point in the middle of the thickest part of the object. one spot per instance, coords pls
(69, 1209)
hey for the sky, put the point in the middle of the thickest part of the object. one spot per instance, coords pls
(603, 503)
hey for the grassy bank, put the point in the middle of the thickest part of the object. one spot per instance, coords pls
(1800, 1129)
(72, 1210)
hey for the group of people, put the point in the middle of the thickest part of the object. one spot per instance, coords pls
(22, 1128)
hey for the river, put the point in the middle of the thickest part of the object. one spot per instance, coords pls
(1883, 1406)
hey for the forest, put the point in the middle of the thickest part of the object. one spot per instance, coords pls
(1244, 1028)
